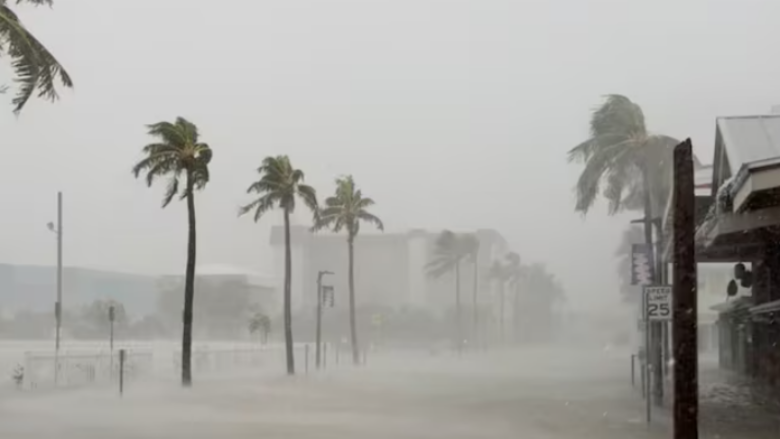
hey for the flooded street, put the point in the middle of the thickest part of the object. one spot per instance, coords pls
(535, 393)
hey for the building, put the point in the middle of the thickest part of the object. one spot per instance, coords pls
(389, 267)
(739, 221)
(34, 288)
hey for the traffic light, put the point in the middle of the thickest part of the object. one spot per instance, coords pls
(327, 295)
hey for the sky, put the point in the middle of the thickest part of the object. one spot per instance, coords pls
(448, 113)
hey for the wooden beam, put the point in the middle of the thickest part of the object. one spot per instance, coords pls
(686, 387)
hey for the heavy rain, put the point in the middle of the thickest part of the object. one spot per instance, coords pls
(379, 219)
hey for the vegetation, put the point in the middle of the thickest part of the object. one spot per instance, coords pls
(449, 251)
(514, 273)
(634, 164)
(35, 69)
(178, 152)
(346, 209)
(279, 185)
(260, 323)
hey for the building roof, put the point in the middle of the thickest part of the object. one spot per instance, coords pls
(749, 139)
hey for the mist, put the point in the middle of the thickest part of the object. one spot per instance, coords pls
(380, 225)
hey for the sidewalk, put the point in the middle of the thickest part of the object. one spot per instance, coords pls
(731, 406)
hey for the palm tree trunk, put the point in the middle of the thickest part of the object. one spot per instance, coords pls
(352, 318)
(501, 311)
(458, 319)
(475, 310)
(288, 335)
(189, 288)
(516, 313)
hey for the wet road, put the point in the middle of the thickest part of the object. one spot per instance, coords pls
(534, 393)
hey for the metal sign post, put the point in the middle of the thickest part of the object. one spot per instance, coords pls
(657, 307)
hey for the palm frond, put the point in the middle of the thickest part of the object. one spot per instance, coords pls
(34, 67)
(171, 191)
(177, 152)
(371, 218)
(169, 133)
(279, 185)
(309, 196)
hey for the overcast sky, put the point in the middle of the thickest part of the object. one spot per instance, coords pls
(449, 113)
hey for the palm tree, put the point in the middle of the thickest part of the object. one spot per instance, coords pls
(260, 322)
(500, 274)
(346, 209)
(449, 251)
(470, 245)
(35, 68)
(514, 272)
(278, 186)
(179, 152)
(634, 163)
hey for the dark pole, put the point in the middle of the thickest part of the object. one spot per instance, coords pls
(686, 387)
(59, 268)
(318, 337)
(654, 350)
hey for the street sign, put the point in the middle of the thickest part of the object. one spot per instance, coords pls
(659, 302)
(641, 264)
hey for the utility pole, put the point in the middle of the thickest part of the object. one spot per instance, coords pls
(684, 301)
(318, 341)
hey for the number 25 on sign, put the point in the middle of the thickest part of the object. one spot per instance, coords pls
(659, 302)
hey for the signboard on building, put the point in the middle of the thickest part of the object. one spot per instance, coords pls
(658, 300)
(641, 264)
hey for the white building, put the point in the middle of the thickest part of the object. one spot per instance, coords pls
(389, 267)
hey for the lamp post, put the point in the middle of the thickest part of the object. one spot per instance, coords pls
(317, 355)
(57, 229)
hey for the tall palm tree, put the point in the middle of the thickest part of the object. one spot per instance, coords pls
(448, 253)
(634, 164)
(278, 186)
(636, 167)
(514, 273)
(346, 209)
(499, 274)
(34, 67)
(470, 244)
(179, 152)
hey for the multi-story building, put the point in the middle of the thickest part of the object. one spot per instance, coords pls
(389, 267)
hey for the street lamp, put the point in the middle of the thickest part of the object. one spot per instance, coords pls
(318, 341)
(57, 230)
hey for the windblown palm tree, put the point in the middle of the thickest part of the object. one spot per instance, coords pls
(260, 322)
(634, 164)
(448, 253)
(179, 153)
(470, 244)
(346, 209)
(35, 68)
(514, 273)
(499, 272)
(279, 186)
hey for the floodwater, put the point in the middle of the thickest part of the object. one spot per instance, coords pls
(534, 393)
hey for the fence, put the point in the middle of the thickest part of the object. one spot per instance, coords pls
(49, 370)
(207, 361)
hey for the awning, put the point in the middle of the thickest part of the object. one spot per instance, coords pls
(730, 306)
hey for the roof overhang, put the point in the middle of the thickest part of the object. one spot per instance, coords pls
(756, 185)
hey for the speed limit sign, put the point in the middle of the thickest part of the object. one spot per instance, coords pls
(658, 302)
